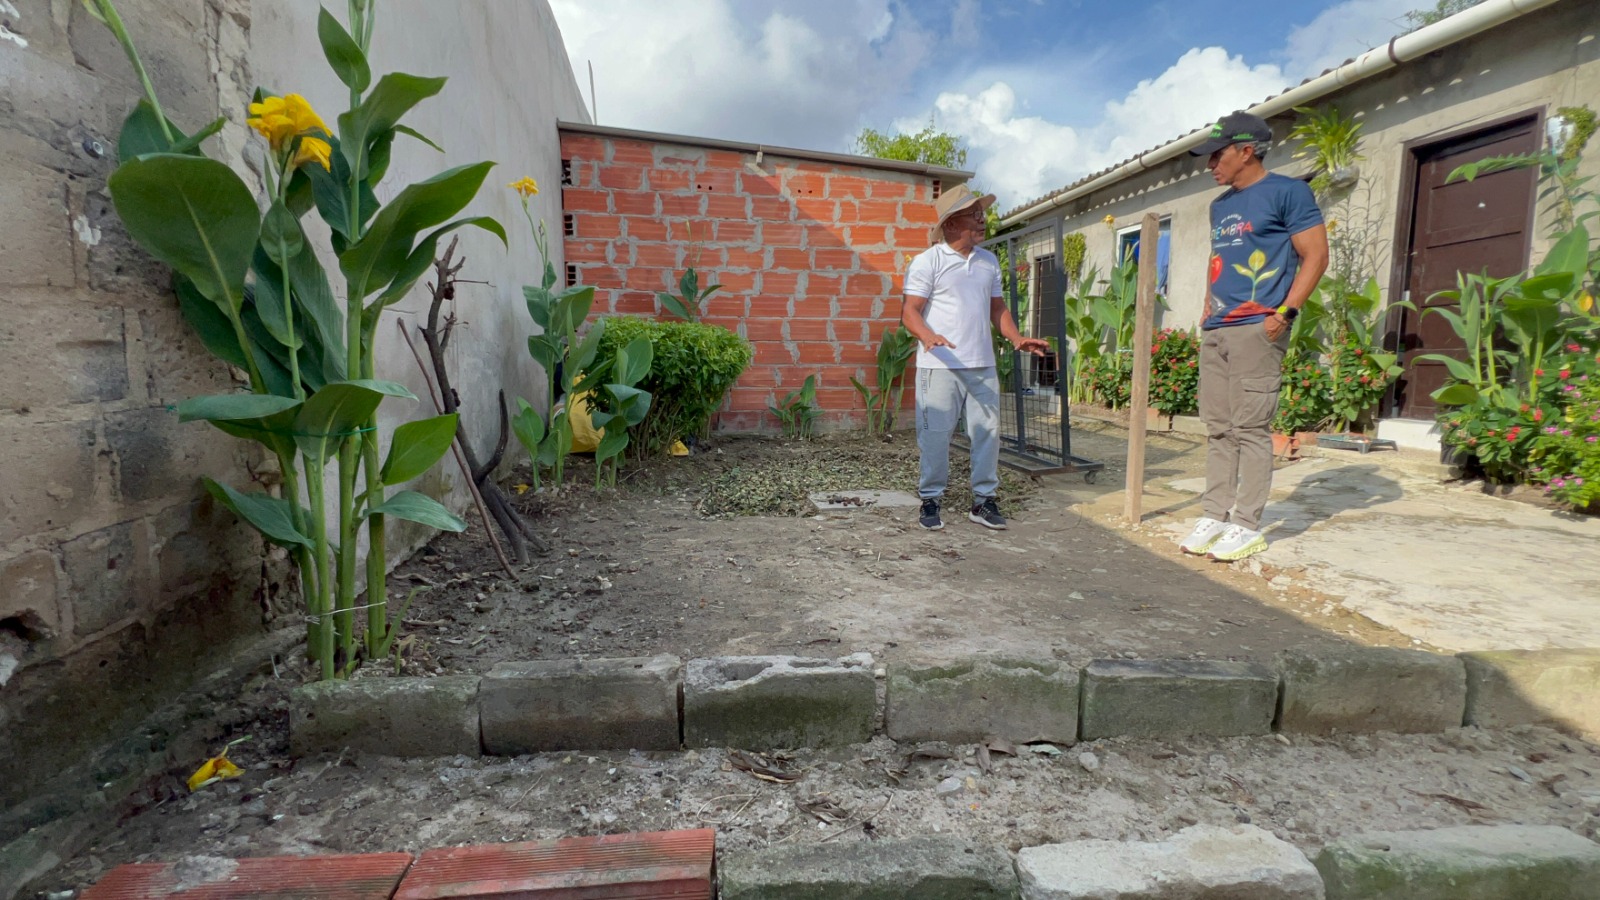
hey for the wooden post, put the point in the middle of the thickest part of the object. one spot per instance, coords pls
(1143, 324)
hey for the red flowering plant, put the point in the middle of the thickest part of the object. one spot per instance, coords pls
(1175, 372)
(1360, 378)
(1110, 379)
(1564, 449)
(1305, 399)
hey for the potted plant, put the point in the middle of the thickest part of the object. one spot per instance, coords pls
(1305, 404)
(1333, 143)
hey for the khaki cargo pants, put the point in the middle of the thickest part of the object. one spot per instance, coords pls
(1240, 372)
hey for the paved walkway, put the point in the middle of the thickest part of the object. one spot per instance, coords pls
(1441, 562)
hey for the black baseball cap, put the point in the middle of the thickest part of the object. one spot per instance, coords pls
(1234, 128)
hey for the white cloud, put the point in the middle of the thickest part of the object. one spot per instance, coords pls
(1342, 32)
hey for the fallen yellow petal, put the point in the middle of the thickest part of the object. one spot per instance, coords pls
(214, 769)
(521, 488)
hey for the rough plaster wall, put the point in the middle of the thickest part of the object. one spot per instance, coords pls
(1545, 60)
(118, 579)
(509, 83)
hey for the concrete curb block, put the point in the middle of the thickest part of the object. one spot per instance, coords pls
(763, 702)
(1241, 863)
(1019, 700)
(924, 868)
(779, 702)
(1177, 698)
(1471, 862)
(1557, 688)
(1367, 689)
(602, 704)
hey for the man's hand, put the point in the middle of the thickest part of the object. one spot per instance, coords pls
(1275, 325)
(1036, 346)
(937, 340)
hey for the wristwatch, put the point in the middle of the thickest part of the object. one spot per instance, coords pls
(1288, 312)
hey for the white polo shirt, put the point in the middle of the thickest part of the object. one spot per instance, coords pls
(958, 289)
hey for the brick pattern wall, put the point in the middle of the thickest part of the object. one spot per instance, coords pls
(810, 256)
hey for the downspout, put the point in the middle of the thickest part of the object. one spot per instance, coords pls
(1403, 48)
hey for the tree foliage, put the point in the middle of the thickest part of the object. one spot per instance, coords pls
(1441, 10)
(930, 146)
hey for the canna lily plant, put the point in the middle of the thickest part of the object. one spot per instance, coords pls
(251, 285)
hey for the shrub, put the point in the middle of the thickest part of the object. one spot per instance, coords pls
(693, 368)
(1305, 401)
(1175, 372)
(1564, 452)
(1110, 379)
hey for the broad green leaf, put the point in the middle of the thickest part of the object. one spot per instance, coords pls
(417, 446)
(281, 237)
(374, 261)
(674, 306)
(266, 294)
(632, 403)
(195, 215)
(415, 507)
(141, 133)
(337, 412)
(209, 323)
(233, 406)
(272, 516)
(394, 96)
(612, 443)
(571, 309)
(582, 356)
(343, 53)
(528, 426)
(330, 188)
(545, 350)
(636, 363)
(271, 356)
(1553, 286)
(412, 132)
(539, 302)
(1455, 395)
(1533, 317)
(191, 144)
(1458, 369)
(422, 256)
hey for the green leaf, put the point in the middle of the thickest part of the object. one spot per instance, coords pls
(272, 516)
(415, 507)
(141, 133)
(330, 188)
(233, 406)
(1531, 318)
(571, 309)
(545, 350)
(674, 306)
(195, 215)
(379, 256)
(1458, 369)
(209, 323)
(394, 96)
(267, 296)
(191, 144)
(636, 359)
(281, 237)
(1570, 254)
(528, 426)
(581, 357)
(337, 412)
(539, 303)
(422, 256)
(412, 132)
(612, 443)
(343, 53)
(1455, 395)
(417, 446)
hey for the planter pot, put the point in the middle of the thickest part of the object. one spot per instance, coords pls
(1285, 446)
(1306, 438)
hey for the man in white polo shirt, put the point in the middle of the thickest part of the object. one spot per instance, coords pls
(953, 296)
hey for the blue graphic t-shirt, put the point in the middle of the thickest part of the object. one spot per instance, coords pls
(1252, 260)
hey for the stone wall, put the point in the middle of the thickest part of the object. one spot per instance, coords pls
(119, 580)
(810, 252)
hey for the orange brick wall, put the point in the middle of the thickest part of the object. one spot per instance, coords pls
(810, 256)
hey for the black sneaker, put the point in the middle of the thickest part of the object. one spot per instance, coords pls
(930, 516)
(987, 513)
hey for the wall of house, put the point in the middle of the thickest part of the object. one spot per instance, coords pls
(810, 255)
(1542, 61)
(119, 580)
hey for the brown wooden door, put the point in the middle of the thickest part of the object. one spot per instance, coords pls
(1463, 226)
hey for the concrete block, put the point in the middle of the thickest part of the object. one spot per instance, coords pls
(1240, 863)
(172, 361)
(157, 457)
(49, 478)
(1173, 698)
(602, 704)
(28, 594)
(766, 702)
(964, 702)
(108, 573)
(926, 868)
(1366, 689)
(1471, 862)
(36, 241)
(55, 352)
(113, 263)
(387, 716)
(1558, 688)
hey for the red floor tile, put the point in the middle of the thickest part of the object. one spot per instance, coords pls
(647, 866)
(371, 876)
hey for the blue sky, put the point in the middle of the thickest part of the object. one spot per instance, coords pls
(1043, 91)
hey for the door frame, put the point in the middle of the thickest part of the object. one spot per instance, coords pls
(1400, 264)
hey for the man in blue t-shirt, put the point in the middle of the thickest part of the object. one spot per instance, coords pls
(1268, 250)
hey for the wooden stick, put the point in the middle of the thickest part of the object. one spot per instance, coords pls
(1143, 325)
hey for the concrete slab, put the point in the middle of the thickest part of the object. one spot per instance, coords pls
(968, 700)
(569, 704)
(1445, 564)
(1558, 688)
(1240, 863)
(387, 716)
(769, 702)
(844, 501)
(1367, 689)
(1177, 698)
(1474, 862)
(926, 868)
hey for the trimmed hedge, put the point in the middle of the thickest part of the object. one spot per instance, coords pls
(694, 367)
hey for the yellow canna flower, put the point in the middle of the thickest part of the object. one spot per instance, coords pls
(314, 150)
(1585, 301)
(280, 119)
(214, 769)
(527, 187)
(1110, 220)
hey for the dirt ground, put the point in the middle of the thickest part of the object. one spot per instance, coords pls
(643, 570)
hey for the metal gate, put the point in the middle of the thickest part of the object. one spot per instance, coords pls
(1035, 425)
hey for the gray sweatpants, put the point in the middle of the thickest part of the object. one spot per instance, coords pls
(941, 396)
(1240, 372)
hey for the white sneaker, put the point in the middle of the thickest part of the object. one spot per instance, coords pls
(1205, 533)
(1237, 542)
